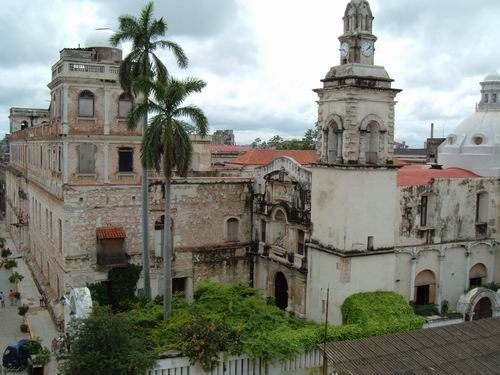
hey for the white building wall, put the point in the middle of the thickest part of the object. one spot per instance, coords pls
(351, 204)
(344, 276)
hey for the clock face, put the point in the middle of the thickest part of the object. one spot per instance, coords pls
(344, 49)
(367, 49)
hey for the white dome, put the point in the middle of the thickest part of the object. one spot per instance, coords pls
(492, 77)
(474, 145)
(100, 38)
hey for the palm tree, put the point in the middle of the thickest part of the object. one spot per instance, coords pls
(166, 146)
(145, 33)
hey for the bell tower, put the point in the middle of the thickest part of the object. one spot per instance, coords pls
(357, 44)
(354, 194)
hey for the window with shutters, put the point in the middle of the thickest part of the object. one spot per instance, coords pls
(86, 158)
(124, 105)
(86, 102)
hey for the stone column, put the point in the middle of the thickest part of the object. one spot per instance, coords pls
(106, 110)
(106, 162)
(412, 277)
(65, 161)
(467, 268)
(491, 270)
(65, 106)
(362, 147)
(189, 289)
(440, 281)
(340, 136)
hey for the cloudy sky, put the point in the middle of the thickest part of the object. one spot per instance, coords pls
(262, 58)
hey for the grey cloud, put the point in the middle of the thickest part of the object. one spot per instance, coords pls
(200, 18)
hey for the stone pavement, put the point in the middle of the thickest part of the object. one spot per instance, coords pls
(38, 318)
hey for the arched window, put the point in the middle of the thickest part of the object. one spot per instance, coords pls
(281, 290)
(233, 229)
(125, 102)
(334, 143)
(425, 288)
(478, 275)
(24, 124)
(373, 142)
(86, 104)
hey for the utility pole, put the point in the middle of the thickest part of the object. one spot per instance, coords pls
(325, 357)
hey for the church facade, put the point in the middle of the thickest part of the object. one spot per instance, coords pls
(354, 221)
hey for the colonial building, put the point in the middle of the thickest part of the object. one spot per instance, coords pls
(348, 218)
(73, 188)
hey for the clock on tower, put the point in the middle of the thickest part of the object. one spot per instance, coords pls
(357, 44)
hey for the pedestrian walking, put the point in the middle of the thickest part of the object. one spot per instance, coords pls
(2, 298)
(11, 297)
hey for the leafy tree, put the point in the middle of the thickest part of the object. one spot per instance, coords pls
(146, 35)
(108, 344)
(308, 142)
(166, 145)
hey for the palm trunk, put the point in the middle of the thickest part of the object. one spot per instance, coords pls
(145, 224)
(167, 252)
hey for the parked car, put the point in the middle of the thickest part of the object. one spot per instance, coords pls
(17, 354)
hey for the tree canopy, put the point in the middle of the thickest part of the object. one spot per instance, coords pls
(308, 142)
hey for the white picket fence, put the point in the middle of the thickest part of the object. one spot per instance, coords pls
(304, 364)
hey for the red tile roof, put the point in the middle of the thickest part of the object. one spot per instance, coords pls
(222, 149)
(423, 175)
(265, 156)
(110, 233)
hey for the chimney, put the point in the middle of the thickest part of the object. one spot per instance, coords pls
(432, 130)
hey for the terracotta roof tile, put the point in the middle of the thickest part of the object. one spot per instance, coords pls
(265, 156)
(423, 175)
(110, 233)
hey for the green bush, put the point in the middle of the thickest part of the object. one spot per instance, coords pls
(425, 310)
(121, 296)
(11, 263)
(6, 253)
(16, 278)
(22, 310)
(237, 319)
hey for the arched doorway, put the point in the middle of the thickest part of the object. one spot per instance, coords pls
(425, 288)
(281, 291)
(483, 309)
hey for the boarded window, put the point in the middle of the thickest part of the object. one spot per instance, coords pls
(125, 159)
(233, 228)
(86, 104)
(482, 208)
(86, 158)
(124, 105)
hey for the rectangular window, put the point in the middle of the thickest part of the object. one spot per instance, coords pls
(300, 242)
(423, 211)
(50, 226)
(494, 98)
(59, 160)
(125, 159)
(263, 225)
(482, 208)
(124, 107)
(86, 107)
(59, 229)
(486, 97)
(86, 158)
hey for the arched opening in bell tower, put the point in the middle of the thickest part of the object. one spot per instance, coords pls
(334, 142)
(373, 143)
